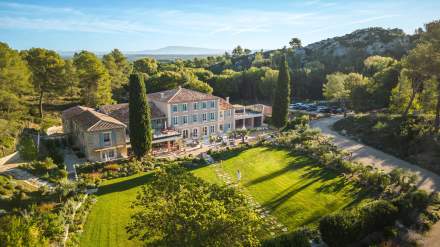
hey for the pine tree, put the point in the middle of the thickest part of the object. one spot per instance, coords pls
(139, 117)
(94, 79)
(282, 95)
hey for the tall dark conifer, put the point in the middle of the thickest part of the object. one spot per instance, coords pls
(282, 95)
(139, 117)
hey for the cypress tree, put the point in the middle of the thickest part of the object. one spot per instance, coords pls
(139, 117)
(282, 95)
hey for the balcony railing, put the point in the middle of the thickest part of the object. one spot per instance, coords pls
(160, 134)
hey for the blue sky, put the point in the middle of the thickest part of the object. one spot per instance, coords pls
(132, 25)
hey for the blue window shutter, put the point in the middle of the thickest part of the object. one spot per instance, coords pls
(113, 137)
(101, 139)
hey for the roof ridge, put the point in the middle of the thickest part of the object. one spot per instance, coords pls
(88, 129)
(169, 100)
(101, 117)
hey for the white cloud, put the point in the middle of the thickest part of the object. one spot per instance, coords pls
(175, 21)
(31, 7)
(95, 26)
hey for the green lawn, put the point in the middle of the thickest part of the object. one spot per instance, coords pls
(107, 220)
(297, 192)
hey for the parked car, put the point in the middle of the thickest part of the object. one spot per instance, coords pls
(296, 105)
(324, 109)
(312, 107)
(337, 110)
(303, 107)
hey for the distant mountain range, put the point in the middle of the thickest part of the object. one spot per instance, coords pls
(180, 50)
(164, 53)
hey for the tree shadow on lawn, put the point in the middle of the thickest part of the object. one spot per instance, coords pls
(283, 196)
(318, 174)
(125, 185)
(292, 166)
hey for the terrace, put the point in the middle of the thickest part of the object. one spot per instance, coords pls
(247, 117)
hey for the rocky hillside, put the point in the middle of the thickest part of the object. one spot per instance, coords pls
(345, 53)
(311, 64)
(370, 41)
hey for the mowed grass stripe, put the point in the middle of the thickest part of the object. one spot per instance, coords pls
(297, 192)
(110, 215)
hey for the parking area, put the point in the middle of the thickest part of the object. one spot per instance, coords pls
(320, 107)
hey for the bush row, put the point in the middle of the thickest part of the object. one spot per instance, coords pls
(348, 226)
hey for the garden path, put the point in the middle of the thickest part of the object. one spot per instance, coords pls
(270, 223)
(11, 167)
(366, 155)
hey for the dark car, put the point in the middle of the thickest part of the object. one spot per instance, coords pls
(324, 109)
(303, 107)
(312, 108)
(336, 110)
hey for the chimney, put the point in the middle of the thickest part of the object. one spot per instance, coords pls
(162, 95)
(179, 87)
(227, 99)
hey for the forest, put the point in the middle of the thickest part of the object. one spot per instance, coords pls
(36, 84)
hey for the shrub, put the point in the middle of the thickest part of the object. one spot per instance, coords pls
(339, 229)
(345, 227)
(46, 206)
(54, 151)
(298, 238)
(112, 167)
(27, 148)
(43, 166)
(377, 215)
(92, 179)
(411, 205)
(296, 122)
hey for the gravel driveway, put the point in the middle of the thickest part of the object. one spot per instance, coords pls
(371, 156)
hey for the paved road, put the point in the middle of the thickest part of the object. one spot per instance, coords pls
(12, 169)
(371, 156)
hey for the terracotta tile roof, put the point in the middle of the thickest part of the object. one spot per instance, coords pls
(179, 95)
(120, 111)
(91, 120)
(73, 111)
(224, 105)
(163, 96)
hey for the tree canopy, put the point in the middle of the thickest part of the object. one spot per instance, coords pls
(47, 69)
(282, 96)
(295, 43)
(119, 69)
(94, 79)
(179, 209)
(141, 133)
